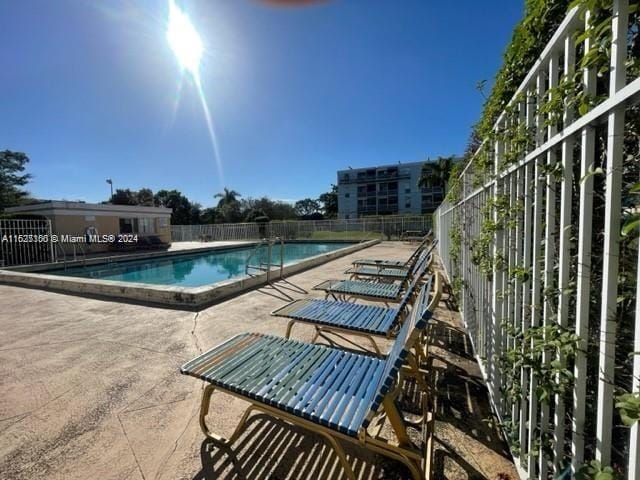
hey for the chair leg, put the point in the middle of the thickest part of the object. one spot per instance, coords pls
(397, 421)
(415, 371)
(204, 410)
(348, 470)
(375, 346)
(413, 464)
(289, 327)
(428, 441)
(316, 335)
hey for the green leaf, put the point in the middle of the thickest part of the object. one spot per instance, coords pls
(631, 224)
(629, 407)
(604, 476)
(591, 172)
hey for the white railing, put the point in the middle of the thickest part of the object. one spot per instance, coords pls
(541, 273)
(390, 227)
(24, 242)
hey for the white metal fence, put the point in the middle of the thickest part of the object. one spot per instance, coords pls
(391, 227)
(24, 242)
(556, 258)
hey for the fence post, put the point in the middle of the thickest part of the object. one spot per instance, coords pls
(613, 197)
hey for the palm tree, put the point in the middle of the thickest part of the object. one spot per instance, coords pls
(436, 174)
(227, 197)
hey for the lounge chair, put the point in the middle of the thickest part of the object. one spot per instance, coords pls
(362, 320)
(393, 273)
(376, 291)
(396, 263)
(335, 393)
(344, 290)
(156, 242)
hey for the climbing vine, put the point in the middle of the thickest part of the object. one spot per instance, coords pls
(529, 351)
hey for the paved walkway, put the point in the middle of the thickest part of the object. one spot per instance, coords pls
(91, 389)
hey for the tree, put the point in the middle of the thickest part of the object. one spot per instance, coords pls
(274, 209)
(12, 164)
(208, 215)
(436, 174)
(281, 211)
(183, 211)
(227, 197)
(307, 207)
(329, 201)
(253, 214)
(124, 197)
(229, 212)
(145, 197)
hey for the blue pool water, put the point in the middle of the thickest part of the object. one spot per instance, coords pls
(197, 269)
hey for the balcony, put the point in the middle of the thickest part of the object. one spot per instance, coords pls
(380, 177)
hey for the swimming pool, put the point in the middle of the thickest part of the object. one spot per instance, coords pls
(198, 269)
(190, 279)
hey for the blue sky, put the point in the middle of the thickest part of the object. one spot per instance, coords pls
(89, 91)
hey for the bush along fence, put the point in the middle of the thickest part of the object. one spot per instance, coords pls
(539, 238)
(389, 228)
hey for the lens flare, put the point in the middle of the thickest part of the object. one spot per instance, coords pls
(188, 48)
(184, 40)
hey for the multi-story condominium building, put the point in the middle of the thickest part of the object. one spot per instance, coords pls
(386, 190)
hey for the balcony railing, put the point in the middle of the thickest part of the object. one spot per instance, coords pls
(373, 179)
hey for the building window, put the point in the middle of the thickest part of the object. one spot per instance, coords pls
(163, 222)
(128, 225)
(407, 204)
(145, 225)
(137, 225)
(407, 190)
(346, 195)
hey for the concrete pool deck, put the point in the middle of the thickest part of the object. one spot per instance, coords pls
(90, 389)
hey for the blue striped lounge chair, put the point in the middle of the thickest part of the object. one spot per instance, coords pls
(393, 273)
(338, 394)
(350, 290)
(396, 263)
(363, 320)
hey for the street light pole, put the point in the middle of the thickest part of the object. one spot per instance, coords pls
(110, 182)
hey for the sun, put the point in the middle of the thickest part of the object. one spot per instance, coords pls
(184, 40)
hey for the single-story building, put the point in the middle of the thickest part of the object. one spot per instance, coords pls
(77, 219)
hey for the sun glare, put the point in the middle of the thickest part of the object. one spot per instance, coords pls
(187, 46)
(184, 40)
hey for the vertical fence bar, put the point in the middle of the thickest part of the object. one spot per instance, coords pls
(514, 261)
(496, 293)
(536, 273)
(587, 156)
(613, 196)
(634, 440)
(549, 249)
(564, 253)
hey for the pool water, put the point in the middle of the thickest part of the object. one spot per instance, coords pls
(197, 269)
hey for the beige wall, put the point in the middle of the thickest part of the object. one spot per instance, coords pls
(106, 225)
(164, 232)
